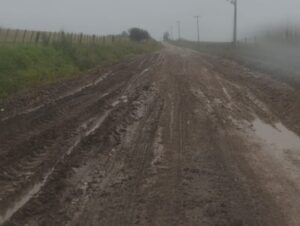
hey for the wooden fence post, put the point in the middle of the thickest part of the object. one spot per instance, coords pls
(80, 38)
(31, 36)
(71, 37)
(16, 36)
(24, 36)
(50, 38)
(37, 38)
(6, 35)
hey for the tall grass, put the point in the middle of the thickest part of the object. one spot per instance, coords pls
(23, 66)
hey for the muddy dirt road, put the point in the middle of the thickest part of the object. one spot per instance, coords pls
(170, 138)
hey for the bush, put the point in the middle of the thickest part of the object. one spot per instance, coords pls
(166, 36)
(138, 35)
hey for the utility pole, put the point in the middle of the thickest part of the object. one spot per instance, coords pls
(234, 3)
(179, 30)
(198, 29)
(172, 33)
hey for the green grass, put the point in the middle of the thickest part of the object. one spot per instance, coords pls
(23, 66)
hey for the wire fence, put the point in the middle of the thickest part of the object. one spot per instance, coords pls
(16, 36)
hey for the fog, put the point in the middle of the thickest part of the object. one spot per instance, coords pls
(157, 16)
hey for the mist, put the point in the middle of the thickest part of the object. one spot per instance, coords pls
(157, 16)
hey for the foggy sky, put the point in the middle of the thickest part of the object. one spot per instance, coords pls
(157, 16)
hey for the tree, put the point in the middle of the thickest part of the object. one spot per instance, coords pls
(138, 35)
(124, 34)
(166, 36)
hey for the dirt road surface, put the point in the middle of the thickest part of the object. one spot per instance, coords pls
(170, 138)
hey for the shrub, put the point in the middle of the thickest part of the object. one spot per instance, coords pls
(138, 35)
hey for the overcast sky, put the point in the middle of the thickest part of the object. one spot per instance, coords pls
(157, 16)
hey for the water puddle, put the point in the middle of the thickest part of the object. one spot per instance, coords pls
(282, 146)
(278, 136)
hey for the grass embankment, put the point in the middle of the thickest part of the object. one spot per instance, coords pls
(23, 66)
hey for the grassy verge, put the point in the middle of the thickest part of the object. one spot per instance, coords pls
(23, 66)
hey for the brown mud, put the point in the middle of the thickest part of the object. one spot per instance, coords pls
(170, 138)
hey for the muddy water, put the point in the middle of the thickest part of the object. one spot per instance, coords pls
(281, 145)
(278, 136)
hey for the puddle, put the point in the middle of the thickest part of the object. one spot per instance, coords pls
(35, 189)
(282, 146)
(278, 136)
(275, 158)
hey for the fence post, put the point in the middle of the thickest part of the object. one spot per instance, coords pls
(24, 36)
(37, 38)
(31, 36)
(16, 36)
(53, 37)
(50, 38)
(71, 37)
(80, 38)
(6, 35)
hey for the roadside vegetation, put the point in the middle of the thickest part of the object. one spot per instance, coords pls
(278, 57)
(219, 48)
(24, 65)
